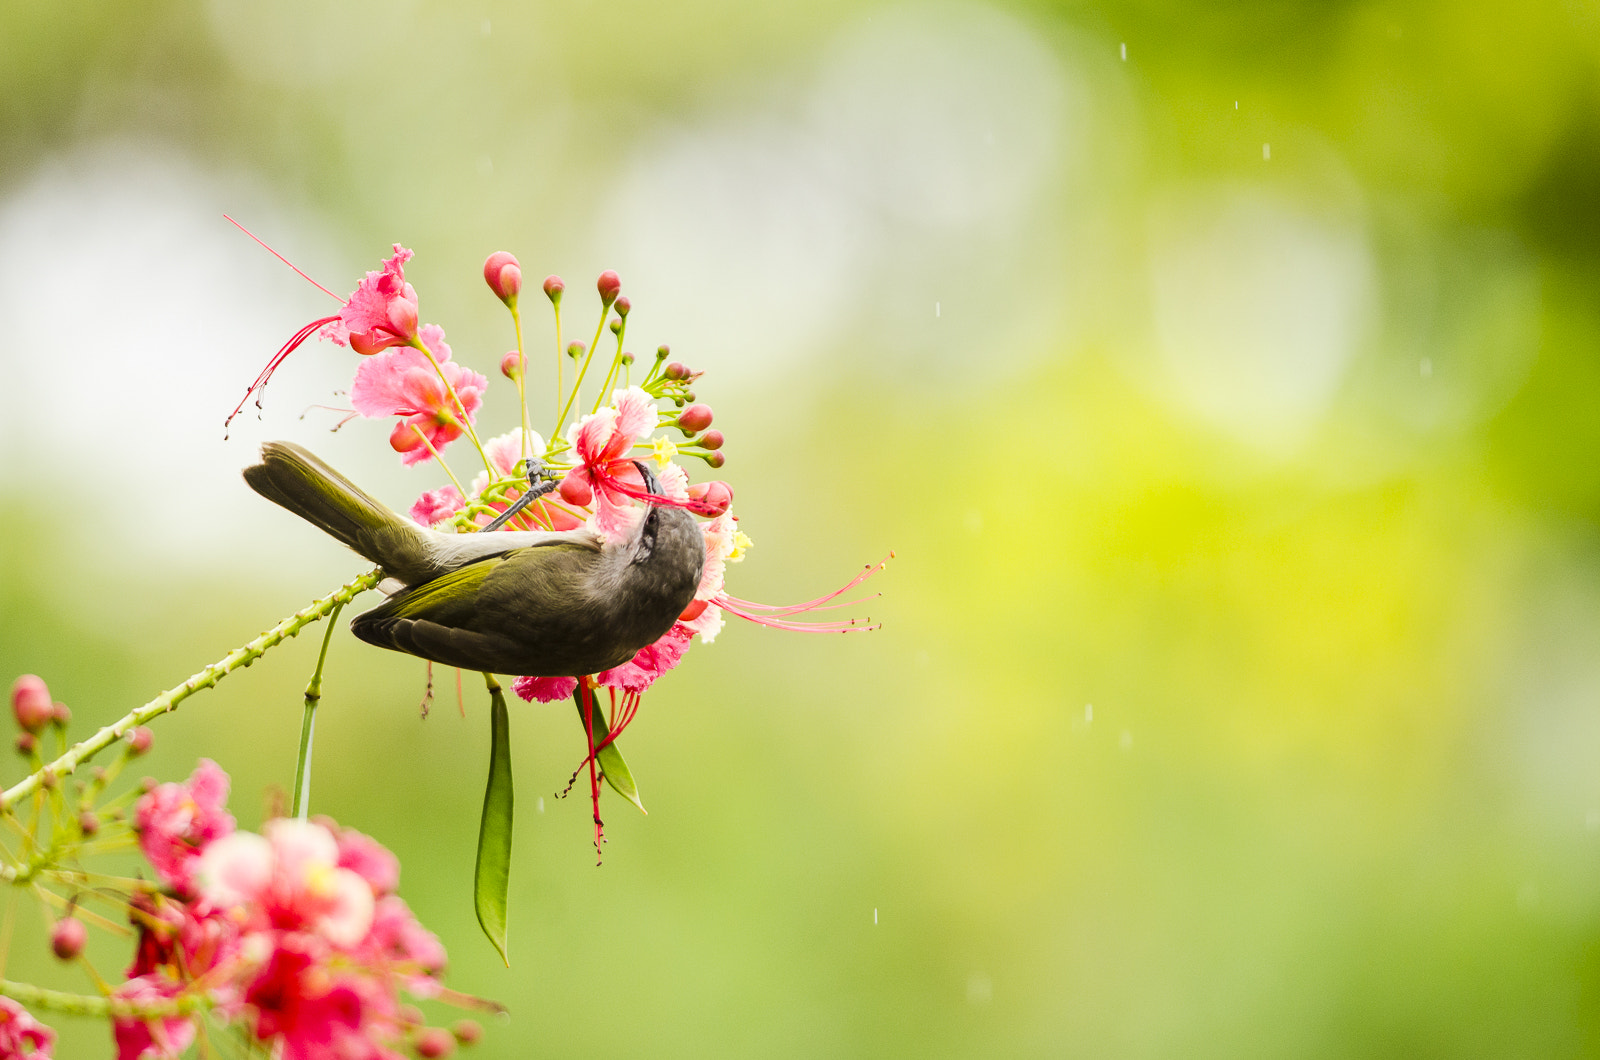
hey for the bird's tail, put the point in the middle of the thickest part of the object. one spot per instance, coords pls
(292, 477)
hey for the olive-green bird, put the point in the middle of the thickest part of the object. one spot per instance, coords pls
(519, 602)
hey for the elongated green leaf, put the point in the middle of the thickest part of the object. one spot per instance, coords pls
(492, 878)
(610, 758)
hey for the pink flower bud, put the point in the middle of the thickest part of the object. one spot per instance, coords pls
(553, 286)
(511, 365)
(30, 702)
(575, 350)
(609, 284)
(662, 352)
(403, 439)
(623, 305)
(61, 716)
(711, 440)
(435, 1042)
(695, 418)
(716, 459)
(503, 275)
(88, 823)
(139, 740)
(627, 358)
(713, 497)
(68, 937)
(403, 317)
(677, 370)
(26, 742)
(575, 490)
(366, 343)
(467, 1032)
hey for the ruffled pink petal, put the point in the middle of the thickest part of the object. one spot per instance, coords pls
(636, 413)
(653, 660)
(590, 435)
(368, 305)
(435, 506)
(545, 689)
(379, 387)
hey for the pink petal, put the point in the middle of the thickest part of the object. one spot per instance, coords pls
(545, 689)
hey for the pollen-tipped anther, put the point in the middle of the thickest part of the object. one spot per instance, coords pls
(504, 276)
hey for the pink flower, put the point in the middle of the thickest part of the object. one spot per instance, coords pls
(22, 1036)
(176, 821)
(653, 660)
(399, 942)
(311, 1012)
(381, 311)
(165, 1038)
(435, 506)
(369, 859)
(404, 382)
(545, 689)
(604, 442)
(290, 880)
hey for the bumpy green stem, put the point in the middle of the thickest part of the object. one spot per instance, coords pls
(238, 658)
(35, 997)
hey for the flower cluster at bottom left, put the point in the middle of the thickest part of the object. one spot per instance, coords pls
(293, 940)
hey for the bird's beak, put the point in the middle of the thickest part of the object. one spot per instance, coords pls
(652, 484)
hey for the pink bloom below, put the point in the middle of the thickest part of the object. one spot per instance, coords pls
(22, 1036)
(382, 310)
(653, 660)
(404, 382)
(311, 1012)
(435, 506)
(165, 1038)
(177, 821)
(545, 689)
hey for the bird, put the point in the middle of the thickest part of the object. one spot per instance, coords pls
(516, 602)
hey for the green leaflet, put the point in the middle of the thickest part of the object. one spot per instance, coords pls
(610, 757)
(492, 877)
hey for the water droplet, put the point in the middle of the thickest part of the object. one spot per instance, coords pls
(1088, 712)
(1266, 152)
(541, 803)
(874, 914)
(1124, 51)
(1426, 367)
(1127, 739)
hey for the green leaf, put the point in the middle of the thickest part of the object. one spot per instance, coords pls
(492, 878)
(610, 758)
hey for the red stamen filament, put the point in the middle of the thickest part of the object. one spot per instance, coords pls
(294, 343)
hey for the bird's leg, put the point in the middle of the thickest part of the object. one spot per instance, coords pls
(541, 480)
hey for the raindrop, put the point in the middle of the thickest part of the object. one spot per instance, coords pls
(1127, 739)
(1426, 367)
(1088, 712)
(1266, 152)
(1124, 51)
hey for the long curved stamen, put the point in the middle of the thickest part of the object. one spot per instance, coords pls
(294, 343)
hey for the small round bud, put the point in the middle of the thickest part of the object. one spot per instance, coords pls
(504, 276)
(467, 1032)
(367, 343)
(139, 740)
(575, 490)
(553, 286)
(711, 440)
(403, 438)
(61, 716)
(609, 284)
(711, 498)
(31, 703)
(695, 418)
(688, 395)
(26, 742)
(88, 823)
(716, 459)
(663, 352)
(575, 350)
(48, 780)
(616, 327)
(435, 1042)
(627, 358)
(68, 937)
(676, 370)
(511, 365)
(623, 305)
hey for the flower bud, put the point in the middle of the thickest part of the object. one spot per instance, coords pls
(31, 703)
(68, 937)
(623, 305)
(467, 1032)
(504, 276)
(663, 352)
(26, 742)
(609, 284)
(553, 286)
(575, 350)
(713, 498)
(575, 490)
(435, 1042)
(695, 418)
(616, 327)
(367, 343)
(627, 358)
(88, 823)
(61, 716)
(711, 440)
(403, 439)
(139, 740)
(716, 459)
(511, 366)
(676, 370)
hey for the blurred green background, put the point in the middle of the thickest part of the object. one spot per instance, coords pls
(1224, 376)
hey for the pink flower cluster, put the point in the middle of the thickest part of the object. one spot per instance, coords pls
(294, 935)
(22, 1036)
